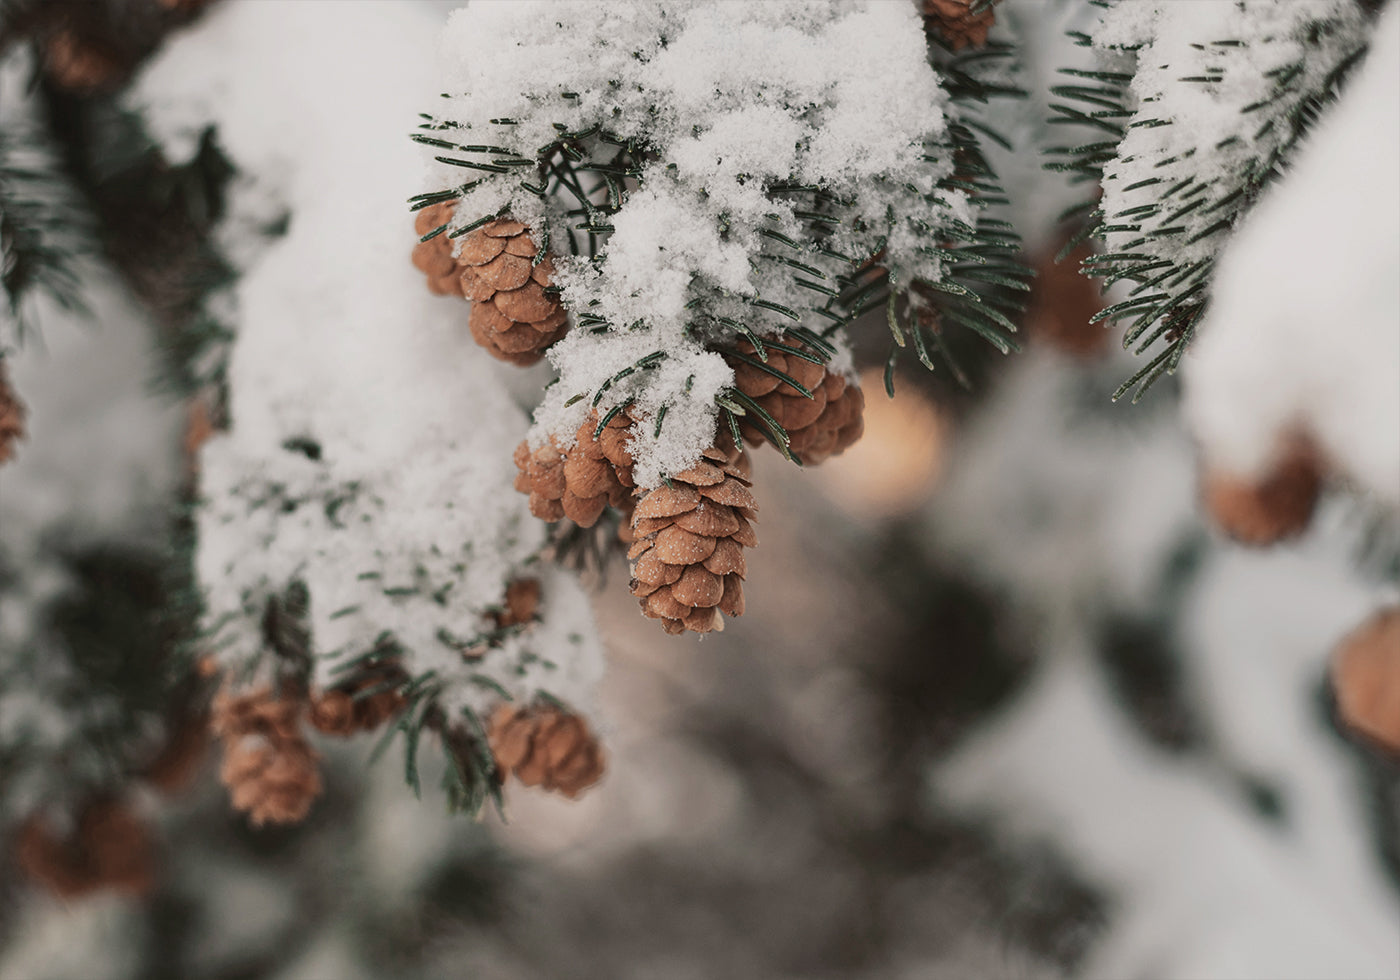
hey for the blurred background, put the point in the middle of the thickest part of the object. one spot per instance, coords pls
(1002, 704)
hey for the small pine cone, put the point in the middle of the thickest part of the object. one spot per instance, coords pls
(77, 65)
(512, 315)
(1366, 679)
(109, 848)
(544, 746)
(956, 23)
(1270, 509)
(434, 257)
(687, 559)
(825, 425)
(1062, 302)
(11, 417)
(522, 603)
(580, 481)
(269, 767)
(348, 710)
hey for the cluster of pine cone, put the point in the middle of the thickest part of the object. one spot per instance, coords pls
(687, 537)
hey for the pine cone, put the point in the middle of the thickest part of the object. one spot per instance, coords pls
(956, 23)
(688, 557)
(11, 416)
(434, 257)
(522, 603)
(346, 710)
(580, 481)
(1062, 302)
(75, 64)
(512, 315)
(1366, 679)
(819, 427)
(269, 767)
(544, 746)
(110, 848)
(1277, 506)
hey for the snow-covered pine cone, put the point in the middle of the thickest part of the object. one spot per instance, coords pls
(349, 709)
(434, 257)
(521, 605)
(819, 427)
(545, 746)
(956, 23)
(1271, 508)
(269, 767)
(512, 315)
(688, 555)
(11, 416)
(580, 481)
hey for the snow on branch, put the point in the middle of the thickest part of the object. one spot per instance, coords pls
(1303, 333)
(1197, 106)
(359, 530)
(707, 173)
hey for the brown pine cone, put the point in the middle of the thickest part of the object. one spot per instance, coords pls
(688, 557)
(76, 64)
(1275, 507)
(512, 315)
(269, 767)
(1366, 679)
(545, 746)
(819, 427)
(1062, 301)
(110, 848)
(434, 257)
(346, 710)
(580, 481)
(11, 416)
(956, 23)
(522, 603)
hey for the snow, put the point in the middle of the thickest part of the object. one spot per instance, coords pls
(1211, 113)
(726, 100)
(370, 449)
(1304, 327)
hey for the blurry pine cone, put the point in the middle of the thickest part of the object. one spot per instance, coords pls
(580, 481)
(956, 23)
(1277, 506)
(522, 603)
(512, 315)
(109, 848)
(269, 767)
(78, 65)
(1062, 302)
(824, 425)
(688, 561)
(1366, 679)
(11, 416)
(360, 706)
(434, 257)
(545, 746)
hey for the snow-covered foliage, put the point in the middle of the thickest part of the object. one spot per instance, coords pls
(714, 170)
(1309, 337)
(1197, 106)
(367, 462)
(1084, 518)
(85, 532)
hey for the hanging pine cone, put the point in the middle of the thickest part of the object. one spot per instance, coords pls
(108, 848)
(1366, 679)
(77, 64)
(688, 555)
(1062, 302)
(960, 22)
(545, 746)
(580, 481)
(269, 767)
(1275, 507)
(819, 427)
(434, 257)
(11, 416)
(512, 315)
